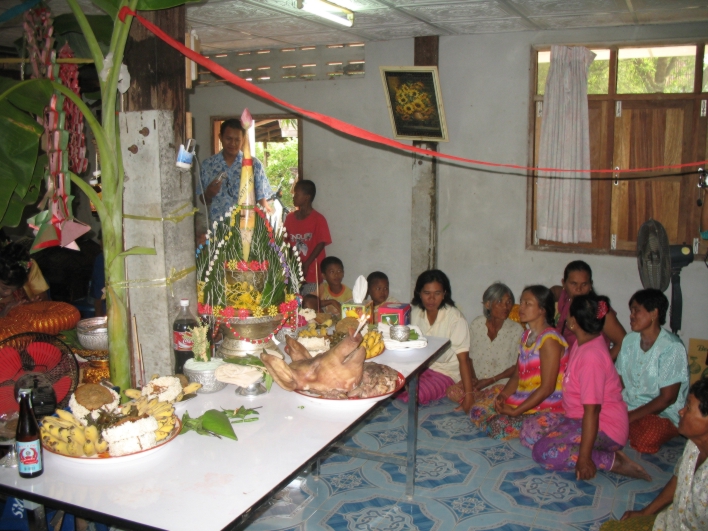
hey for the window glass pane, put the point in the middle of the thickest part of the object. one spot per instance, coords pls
(661, 69)
(705, 69)
(598, 75)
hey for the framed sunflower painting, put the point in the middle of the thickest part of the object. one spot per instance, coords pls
(414, 102)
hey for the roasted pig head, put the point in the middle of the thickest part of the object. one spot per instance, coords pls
(340, 367)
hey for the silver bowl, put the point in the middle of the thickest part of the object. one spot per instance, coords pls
(93, 333)
(205, 377)
(399, 332)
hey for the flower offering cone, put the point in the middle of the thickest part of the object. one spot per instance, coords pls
(247, 190)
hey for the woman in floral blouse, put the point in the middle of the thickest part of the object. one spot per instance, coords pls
(686, 493)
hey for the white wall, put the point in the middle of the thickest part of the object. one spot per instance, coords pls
(365, 191)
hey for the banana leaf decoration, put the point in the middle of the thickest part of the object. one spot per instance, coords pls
(247, 190)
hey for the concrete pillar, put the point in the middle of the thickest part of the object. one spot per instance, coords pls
(155, 188)
(424, 225)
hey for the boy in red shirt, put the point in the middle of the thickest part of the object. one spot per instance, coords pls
(309, 233)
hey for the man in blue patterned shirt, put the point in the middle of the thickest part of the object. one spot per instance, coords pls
(221, 193)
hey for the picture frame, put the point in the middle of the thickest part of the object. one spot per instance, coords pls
(414, 102)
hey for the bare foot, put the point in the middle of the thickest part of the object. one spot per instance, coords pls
(624, 466)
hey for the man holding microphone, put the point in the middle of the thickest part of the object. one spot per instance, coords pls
(221, 175)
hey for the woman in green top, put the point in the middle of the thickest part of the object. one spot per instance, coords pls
(654, 370)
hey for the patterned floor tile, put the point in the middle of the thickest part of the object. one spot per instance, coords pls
(468, 505)
(464, 481)
(434, 470)
(380, 514)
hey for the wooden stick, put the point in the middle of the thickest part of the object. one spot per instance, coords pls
(66, 60)
(317, 286)
(139, 352)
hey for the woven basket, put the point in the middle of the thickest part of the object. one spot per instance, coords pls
(47, 317)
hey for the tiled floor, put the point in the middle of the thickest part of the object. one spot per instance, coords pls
(464, 481)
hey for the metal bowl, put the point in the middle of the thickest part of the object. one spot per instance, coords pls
(207, 378)
(399, 332)
(93, 333)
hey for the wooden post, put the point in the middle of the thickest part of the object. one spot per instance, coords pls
(424, 227)
(157, 71)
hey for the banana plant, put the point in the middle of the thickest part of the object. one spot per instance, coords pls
(22, 166)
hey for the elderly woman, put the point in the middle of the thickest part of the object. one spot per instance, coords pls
(654, 371)
(434, 312)
(577, 280)
(595, 427)
(494, 345)
(535, 387)
(686, 493)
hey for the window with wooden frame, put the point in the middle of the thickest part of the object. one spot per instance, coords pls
(278, 139)
(647, 108)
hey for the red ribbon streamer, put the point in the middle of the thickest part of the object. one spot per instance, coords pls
(247, 162)
(349, 129)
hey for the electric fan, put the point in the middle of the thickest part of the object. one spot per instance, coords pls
(660, 263)
(35, 353)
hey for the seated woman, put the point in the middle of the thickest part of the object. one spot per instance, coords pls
(595, 427)
(13, 275)
(494, 345)
(577, 280)
(378, 290)
(535, 386)
(686, 493)
(434, 312)
(654, 370)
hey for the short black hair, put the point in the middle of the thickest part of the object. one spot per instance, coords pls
(233, 123)
(14, 260)
(544, 297)
(330, 260)
(426, 277)
(577, 265)
(584, 309)
(652, 299)
(700, 390)
(307, 187)
(376, 275)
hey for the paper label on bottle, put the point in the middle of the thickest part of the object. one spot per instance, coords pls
(29, 457)
(181, 341)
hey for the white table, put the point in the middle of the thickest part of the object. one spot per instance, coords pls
(205, 483)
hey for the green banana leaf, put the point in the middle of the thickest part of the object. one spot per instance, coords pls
(112, 6)
(19, 145)
(13, 214)
(101, 25)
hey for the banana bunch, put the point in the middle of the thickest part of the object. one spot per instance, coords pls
(373, 343)
(66, 435)
(163, 412)
(136, 394)
(313, 331)
(166, 423)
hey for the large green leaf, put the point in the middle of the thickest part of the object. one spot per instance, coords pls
(13, 214)
(7, 187)
(19, 144)
(110, 6)
(32, 97)
(101, 25)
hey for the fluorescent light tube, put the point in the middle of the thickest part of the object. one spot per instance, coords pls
(328, 10)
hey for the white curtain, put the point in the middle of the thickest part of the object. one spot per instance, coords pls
(564, 204)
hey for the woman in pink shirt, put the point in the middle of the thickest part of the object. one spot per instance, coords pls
(596, 425)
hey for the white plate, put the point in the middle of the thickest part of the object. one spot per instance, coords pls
(351, 402)
(105, 459)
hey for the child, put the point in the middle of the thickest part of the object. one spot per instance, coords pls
(332, 292)
(309, 233)
(378, 290)
(309, 302)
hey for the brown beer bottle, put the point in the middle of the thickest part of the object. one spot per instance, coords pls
(29, 448)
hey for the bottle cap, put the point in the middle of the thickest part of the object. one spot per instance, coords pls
(184, 302)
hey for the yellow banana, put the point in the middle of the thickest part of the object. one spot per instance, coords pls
(77, 434)
(61, 447)
(132, 393)
(68, 417)
(55, 421)
(192, 388)
(154, 377)
(153, 402)
(89, 448)
(101, 446)
(91, 433)
(160, 435)
(163, 414)
(50, 441)
(75, 448)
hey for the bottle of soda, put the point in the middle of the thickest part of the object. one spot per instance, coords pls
(182, 345)
(29, 448)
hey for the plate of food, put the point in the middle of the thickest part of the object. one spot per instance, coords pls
(360, 396)
(132, 440)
